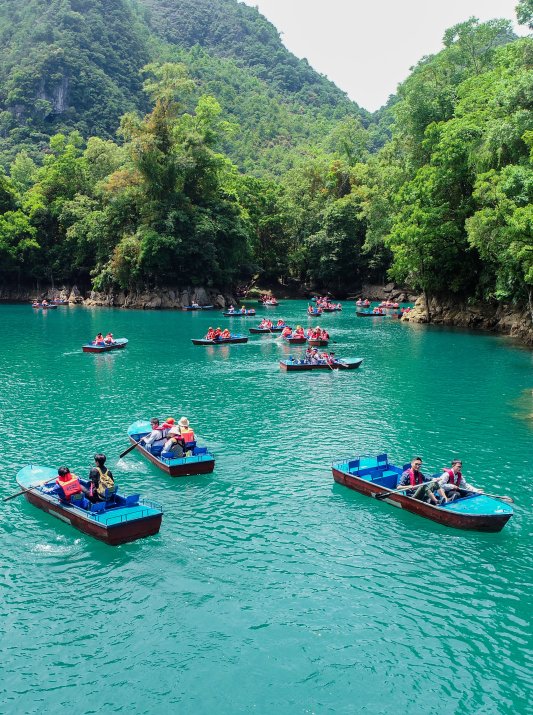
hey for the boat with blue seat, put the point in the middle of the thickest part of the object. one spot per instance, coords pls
(296, 365)
(199, 461)
(375, 476)
(220, 341)
(117, 344)
(239, 313)
(117, 520)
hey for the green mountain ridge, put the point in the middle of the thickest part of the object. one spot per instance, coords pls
(75, 65)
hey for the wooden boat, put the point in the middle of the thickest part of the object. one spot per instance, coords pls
(239, 314)
(201, 461)
(369, 314)
(303, 365)
(374, 476)
(117, 521)
(40, 306)
(296, 340)
(317, 342)
(262, 331)
(331, 310)
(315, 311)
(118, 344)
(222, 341)
(198, 307)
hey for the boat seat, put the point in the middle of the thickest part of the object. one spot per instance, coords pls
(79, 500)
(200, 450)
(98, 507)
(390, 473)
(132, 500)
(109, 493)
(353, 466)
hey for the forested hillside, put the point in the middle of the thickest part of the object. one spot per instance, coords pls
(75, 65)
(173, 143)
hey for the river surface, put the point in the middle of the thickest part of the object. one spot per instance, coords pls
(269, 589)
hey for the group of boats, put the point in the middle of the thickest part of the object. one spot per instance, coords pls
(121, 518)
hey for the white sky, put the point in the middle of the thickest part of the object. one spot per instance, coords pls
(367, 46)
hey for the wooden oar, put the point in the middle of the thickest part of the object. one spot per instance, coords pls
(39, 484)
(501, 497)
(127, 451)
(402, 489)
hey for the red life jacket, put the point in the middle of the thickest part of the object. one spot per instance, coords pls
(452, 477)
(415, 478)
(71, 484)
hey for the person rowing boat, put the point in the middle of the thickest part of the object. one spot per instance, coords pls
(453, 484)
(423, 487)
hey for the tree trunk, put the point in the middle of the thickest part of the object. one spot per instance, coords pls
(530, 302)
(428, 310)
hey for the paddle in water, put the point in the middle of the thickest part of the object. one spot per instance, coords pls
(39, 484)
(127, 451)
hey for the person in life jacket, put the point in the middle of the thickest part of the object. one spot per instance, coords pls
(186, 434)
(210, 334)
(453, 483)
(218, 333)
(155, 436)
(68, 484)
(99, 339)
(173, 447)
(286, 332)
(100, 479)
(109, 339)
(225, 334)
(280, 323)
(424, 487)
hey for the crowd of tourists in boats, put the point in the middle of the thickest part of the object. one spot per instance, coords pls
(324, 304)
(266, 299)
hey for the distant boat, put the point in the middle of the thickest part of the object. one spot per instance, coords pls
(201, 461)
(295, 339)
(370, 314)
(198, 307)
(221, 341)
(117, 344)
(317, 342)
(375, 476)
(117, 521)
(273, 329)
(305, 365)
(239, 313)
(48, 306)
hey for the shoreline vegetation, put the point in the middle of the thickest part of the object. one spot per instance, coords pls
(504, 319)
(205, 160)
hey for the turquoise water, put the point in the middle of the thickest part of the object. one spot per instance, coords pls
(269, 588)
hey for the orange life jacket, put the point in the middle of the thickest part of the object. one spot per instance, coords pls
(70, 484)
(187, 435)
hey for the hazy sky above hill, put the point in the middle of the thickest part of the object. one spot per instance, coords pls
(367, 48)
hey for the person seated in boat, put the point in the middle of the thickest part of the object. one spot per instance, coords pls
(186, 435)
(69, 484)
(109, 339)
(45, 302)
(99, 339)
(324, 335)
(173, 447)
(155, 437)
(280, 323)
(286, 332)
(453, 483)
(231, 309)
(35, 304)
(269, 324)
(299, 332)
(243, 309)
(210, 334)
(195, 305)
(218, 333)
(424, 487)
(314, 356)
(167, 425)
(225, 334)
(101, 479)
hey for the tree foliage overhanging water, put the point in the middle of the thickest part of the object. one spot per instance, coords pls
(238, 159)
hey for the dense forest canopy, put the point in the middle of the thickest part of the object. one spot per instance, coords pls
(177, 142)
